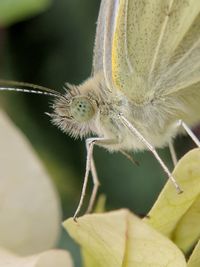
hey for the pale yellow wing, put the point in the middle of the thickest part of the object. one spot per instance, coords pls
(183, 69)
(103, 41)
(187, 104)
(156, 47)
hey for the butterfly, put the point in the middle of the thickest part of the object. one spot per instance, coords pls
(144, 89)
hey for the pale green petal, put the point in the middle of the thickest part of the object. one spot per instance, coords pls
(12, 11)
(171, 208)
(194, 260)
(30, 212)
(188, 229)
(51, 258)
(119, 238)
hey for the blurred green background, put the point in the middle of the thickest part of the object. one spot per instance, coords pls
(49, 45)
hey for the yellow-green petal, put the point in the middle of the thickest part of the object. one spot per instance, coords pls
(171, 208)
(194, 260)
(119, 238)
(188, 229)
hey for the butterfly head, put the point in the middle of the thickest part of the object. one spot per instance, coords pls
(76, 110)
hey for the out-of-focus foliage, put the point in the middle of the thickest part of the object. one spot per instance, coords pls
(12, 11)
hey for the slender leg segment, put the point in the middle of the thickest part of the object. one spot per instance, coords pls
(189, 132)
(90, 166)
(135, 132)
(182, 124)
(96, 185)
(89, 145)
(173, 153)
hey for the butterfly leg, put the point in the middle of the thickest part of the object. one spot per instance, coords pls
(135, 132)
(90, 166)
(189, 132)
(173, 153)
(95, 179)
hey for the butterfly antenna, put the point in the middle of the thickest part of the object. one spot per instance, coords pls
(6, 85)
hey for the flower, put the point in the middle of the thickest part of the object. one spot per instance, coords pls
(30, 212)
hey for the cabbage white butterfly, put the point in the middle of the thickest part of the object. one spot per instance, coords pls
(145, 81)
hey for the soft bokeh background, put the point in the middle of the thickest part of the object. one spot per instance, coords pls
(49, 49)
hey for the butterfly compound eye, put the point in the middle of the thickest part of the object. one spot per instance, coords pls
(82, 109)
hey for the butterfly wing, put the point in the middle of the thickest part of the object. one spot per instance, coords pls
(155, 47)
(183, 69)
(103, 42)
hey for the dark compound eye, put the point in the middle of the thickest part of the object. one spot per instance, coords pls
(82, 109)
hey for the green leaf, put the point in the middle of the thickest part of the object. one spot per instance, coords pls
(194, 260)
(120, 239)
(176, 215)
(12, 11)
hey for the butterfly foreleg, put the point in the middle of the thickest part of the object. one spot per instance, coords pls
(95, 178)
(90, 166)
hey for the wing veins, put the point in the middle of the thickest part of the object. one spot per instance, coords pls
(186, 55)
(160, 38)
